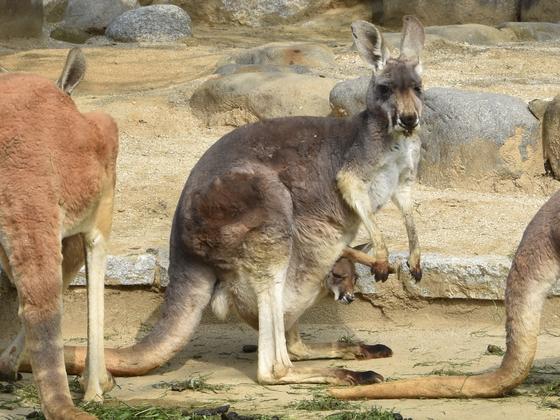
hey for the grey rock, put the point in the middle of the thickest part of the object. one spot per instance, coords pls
(21, 19)
(533, 31)
(234, 68)
(162, 262)
(95, 16)
(551, 137)
(540, 10)
(349, 97)
(237, 99)
(458, 278)
(133, 270)
(449, 277)
(477, 136)
(445, 277)
(466, 136)
(54, 9)
(538, 107)
(253, 13)
(446, 12)
(287, 54)
(69, 34)
(471, 33)
(158, 23)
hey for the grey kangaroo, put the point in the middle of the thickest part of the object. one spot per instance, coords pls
(535, 268)
(271, 206)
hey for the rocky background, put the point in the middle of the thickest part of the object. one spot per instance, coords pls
(177, 75)
(477, 140)
(478, 137)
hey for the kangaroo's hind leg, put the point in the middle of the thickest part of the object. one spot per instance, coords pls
(36, 267)
(96, 378)
(72, 261)
(266, 262)
(335, 350)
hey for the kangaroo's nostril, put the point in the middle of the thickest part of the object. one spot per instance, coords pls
(408, 120)
(347, 298)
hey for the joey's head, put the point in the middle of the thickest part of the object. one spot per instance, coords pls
(395, 91)
(341, 280)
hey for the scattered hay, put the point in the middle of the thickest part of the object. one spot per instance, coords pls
(494, 350)
(374, 413)
(348, 339)
(321, 402)
(194, 383)
(447, 372)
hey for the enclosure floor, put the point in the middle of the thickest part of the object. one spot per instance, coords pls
(216, 352)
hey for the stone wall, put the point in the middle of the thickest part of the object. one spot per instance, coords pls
(445, 277)
(448, 12)
(21, 18)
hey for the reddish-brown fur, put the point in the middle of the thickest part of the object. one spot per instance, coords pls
(535, 268)
(57, 175)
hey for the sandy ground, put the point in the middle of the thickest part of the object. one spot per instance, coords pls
(434, 338)
(147, 88)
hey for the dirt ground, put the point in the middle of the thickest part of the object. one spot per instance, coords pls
(451, 339)
(147, 88)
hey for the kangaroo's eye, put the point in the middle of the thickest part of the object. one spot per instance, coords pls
(383, 90)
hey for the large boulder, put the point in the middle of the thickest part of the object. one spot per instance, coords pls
(54, 9)
(540, 10)
(249, 12)
(551, 137)
(478, 139)
(287, 54)
(94, 16)
(468, 138)
(151, 24)
(533, 31)
(445, 12)
(21, 18)
(233, 68)
(237, 99)
(349, 97)
(538, 107)
(472, 33)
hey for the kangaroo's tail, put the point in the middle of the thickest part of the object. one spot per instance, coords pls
(188, 293)
(535, 267)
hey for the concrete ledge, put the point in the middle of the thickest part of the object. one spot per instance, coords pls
(450, 277)
(445, 277)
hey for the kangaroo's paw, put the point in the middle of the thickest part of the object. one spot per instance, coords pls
(380, 270)
(376, 351)
(415, 270)
(8, 372)
(352, 377)
(95, 392)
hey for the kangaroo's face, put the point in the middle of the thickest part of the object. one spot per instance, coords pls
(341, 281)
(396, 88)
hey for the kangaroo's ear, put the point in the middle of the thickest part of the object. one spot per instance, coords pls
(73, 71)
(370, 44)
(412, 41)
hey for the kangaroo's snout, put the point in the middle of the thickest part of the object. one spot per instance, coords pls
(347, 298)
(408, 121)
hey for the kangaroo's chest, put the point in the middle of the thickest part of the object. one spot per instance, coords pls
(398, 166)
